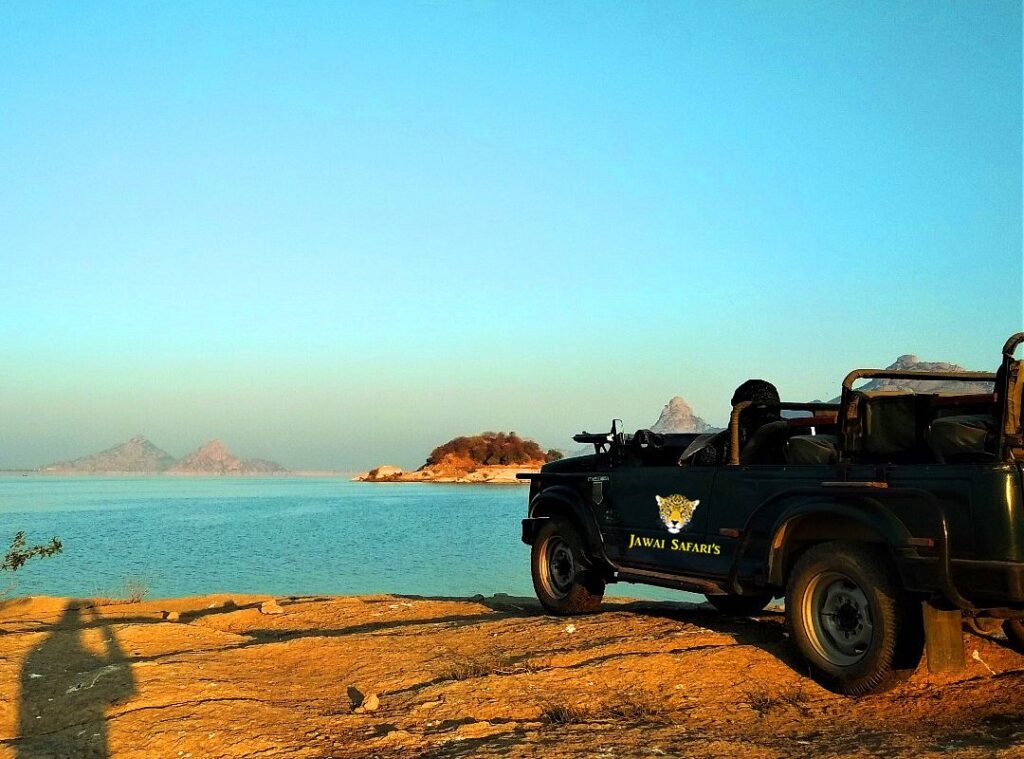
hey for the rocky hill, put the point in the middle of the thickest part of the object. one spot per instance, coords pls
(910, 362)
(139, 456)
(678, 416)
(215, 458)
(135, 455)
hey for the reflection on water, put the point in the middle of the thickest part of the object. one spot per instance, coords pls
(284, 536)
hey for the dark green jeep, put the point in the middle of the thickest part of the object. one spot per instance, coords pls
(882, 519)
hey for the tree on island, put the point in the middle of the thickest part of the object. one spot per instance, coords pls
(491, 449)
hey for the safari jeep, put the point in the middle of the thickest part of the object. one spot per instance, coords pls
(883, 519)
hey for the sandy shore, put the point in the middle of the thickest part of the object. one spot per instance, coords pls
(481, 475)
(238, 676)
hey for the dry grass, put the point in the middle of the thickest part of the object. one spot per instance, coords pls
(566, 714)
(763, 701)
(636, 707)
(134, 589)
(456, 665)
(627, 706)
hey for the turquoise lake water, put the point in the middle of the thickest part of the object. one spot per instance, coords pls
(282, 536)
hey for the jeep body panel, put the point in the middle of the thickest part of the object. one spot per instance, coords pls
(954, 530)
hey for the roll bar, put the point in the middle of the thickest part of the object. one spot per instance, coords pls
(1009, 438)
(739, 408)
(1011, 344)
(909, 374)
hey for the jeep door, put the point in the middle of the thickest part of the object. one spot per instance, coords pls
(639, 535)
(743, 490)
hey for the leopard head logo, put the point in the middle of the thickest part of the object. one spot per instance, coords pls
(676, 511)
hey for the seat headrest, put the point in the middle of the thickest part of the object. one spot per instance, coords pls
(889, 421)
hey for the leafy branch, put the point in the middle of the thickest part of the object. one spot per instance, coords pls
(18, 553)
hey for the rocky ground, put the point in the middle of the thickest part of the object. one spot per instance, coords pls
(469, 474)
(394, 676)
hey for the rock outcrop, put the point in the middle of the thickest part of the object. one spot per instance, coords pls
(490, 457)
(453, 469)
(678, 416)
(910, 362)
(215, 458)
(401, 676)
(136, 455)
(383, 473)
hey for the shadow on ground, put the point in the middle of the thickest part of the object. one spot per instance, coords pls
(68, 682)
(765, 631)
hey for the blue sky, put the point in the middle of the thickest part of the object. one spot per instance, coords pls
(336, 234)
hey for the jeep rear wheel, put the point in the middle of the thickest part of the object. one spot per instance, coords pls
(856, 627)
(741, 606)
(563, 576)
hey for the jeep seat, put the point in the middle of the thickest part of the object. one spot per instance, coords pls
(812, 449)
(766, 444)
(953, 438)
(890, 421)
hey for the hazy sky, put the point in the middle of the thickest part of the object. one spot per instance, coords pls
(337, 234)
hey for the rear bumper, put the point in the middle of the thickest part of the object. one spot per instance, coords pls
(984, 583)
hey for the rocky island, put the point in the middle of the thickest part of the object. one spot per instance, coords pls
(490, 457)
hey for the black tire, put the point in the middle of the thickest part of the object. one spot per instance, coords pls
(1014, 630)
(857, 629)
(563, 577)
(741, 606)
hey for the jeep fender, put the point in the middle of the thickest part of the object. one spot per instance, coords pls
(849, 518)
(562, 501)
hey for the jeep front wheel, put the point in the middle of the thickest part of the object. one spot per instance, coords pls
(563, 577)
(856, 627)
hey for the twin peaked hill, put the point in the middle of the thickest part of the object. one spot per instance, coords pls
(139, 456)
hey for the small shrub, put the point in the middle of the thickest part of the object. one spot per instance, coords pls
(134, 589)
(796, 699)
(760, 700)
(565, 714)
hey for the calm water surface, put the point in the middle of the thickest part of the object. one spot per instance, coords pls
(283, 536)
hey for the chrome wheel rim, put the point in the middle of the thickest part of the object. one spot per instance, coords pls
(837, 619)
(558, 567)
